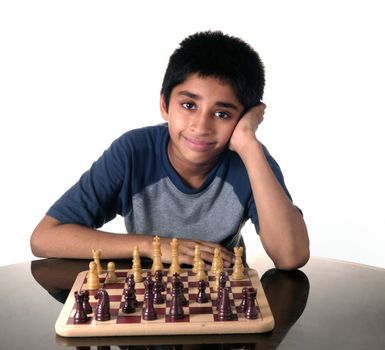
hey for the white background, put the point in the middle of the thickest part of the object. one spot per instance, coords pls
(74, 75)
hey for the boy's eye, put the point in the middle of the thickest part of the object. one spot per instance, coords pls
(188, 105)
(222, 115)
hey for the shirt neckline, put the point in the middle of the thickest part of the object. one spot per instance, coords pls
(175, 177)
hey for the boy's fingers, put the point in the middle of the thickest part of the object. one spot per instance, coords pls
(187, 252)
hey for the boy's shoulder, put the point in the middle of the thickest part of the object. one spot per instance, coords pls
(140, 134)
(141, 139)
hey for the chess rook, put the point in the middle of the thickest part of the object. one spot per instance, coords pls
(251, 312)
(80, 315)
(86, 302)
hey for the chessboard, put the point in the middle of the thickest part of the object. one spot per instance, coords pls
(199, 318)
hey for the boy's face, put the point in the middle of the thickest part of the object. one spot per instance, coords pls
(202, 115)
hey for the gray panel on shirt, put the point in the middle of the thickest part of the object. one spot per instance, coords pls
(214, 214)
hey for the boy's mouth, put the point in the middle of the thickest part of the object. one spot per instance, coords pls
(199, 145)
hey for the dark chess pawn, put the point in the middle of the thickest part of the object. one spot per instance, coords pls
(149, 312)
(86, 302)
(159, 278)
(243, 304)
(251, 312)
(221, 286)
(202, 296)
(148, 285)
(80, 315)
(131, 286)
(224, 309)
(158, 297)
(102, 311)
(176, 308)
(183, 299)
(130, 302)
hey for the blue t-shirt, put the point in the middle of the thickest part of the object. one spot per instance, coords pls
(135, 179)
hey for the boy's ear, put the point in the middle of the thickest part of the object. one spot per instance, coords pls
(163, 108)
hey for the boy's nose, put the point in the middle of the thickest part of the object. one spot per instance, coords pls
(201, 123)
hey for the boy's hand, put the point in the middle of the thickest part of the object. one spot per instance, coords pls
(244, 131)
(187, 250)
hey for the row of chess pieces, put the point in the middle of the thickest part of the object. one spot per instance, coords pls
(95, 268)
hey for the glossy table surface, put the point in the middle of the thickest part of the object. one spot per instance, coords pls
(326, 305)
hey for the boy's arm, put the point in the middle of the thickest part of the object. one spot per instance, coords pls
(54, 239)
(283, 231)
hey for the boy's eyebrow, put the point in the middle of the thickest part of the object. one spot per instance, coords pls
(218, 103)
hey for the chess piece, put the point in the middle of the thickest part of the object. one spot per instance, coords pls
(174, 267)
(92, 277)
(243, 304)
(156, 256)
(238, 269)
(149, 312)
(215, 260)
(217, 263)
(218, 273)
(221, 285)
(136, 267)
(129, 301)
(111, 274)
(148, 285)
(102, 311)
(131, 286)
(80, 315)
(96, 253)
(197, 258)
(178, 285)
(224, 309)
(202, 296)
(159, 279)
(176, 308)
(86, 302)
(158, 297)
(201, 273)
(251, 312)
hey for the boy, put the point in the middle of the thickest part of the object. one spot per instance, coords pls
(198, 177)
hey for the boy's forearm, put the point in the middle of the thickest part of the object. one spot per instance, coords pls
(282, 228)
(53, 239)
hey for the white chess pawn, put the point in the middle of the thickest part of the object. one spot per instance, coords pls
(201, 273)
(111, 274)
(93, 282)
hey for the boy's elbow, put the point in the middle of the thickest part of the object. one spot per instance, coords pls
(36, 243)
(293, 261)
(39, 240)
